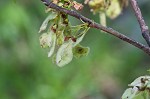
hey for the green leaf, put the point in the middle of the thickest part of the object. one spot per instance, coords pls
(64, 54)
(141, 82)
(45, 40)
(143, 95)
(60, 37)
(130, 93)
(80, 38)
(135, 94)
(53, 42)
(79, 51)
(139, 89)
(75, 29)
(44, 25)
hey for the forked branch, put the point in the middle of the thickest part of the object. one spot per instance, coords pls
(93, 24)
(144, 28)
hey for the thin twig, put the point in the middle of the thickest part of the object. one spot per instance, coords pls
(143, 26)
(97, 26)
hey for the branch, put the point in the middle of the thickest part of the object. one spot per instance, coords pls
(93, 24)
(143, 26)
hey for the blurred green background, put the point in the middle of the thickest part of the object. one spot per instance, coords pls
(27, 73)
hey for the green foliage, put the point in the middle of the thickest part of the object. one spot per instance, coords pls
(64, 32)
(80, 51)
(51, 16)
(64, 54)
(139, 89)
(62, 35)
(26, 72)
